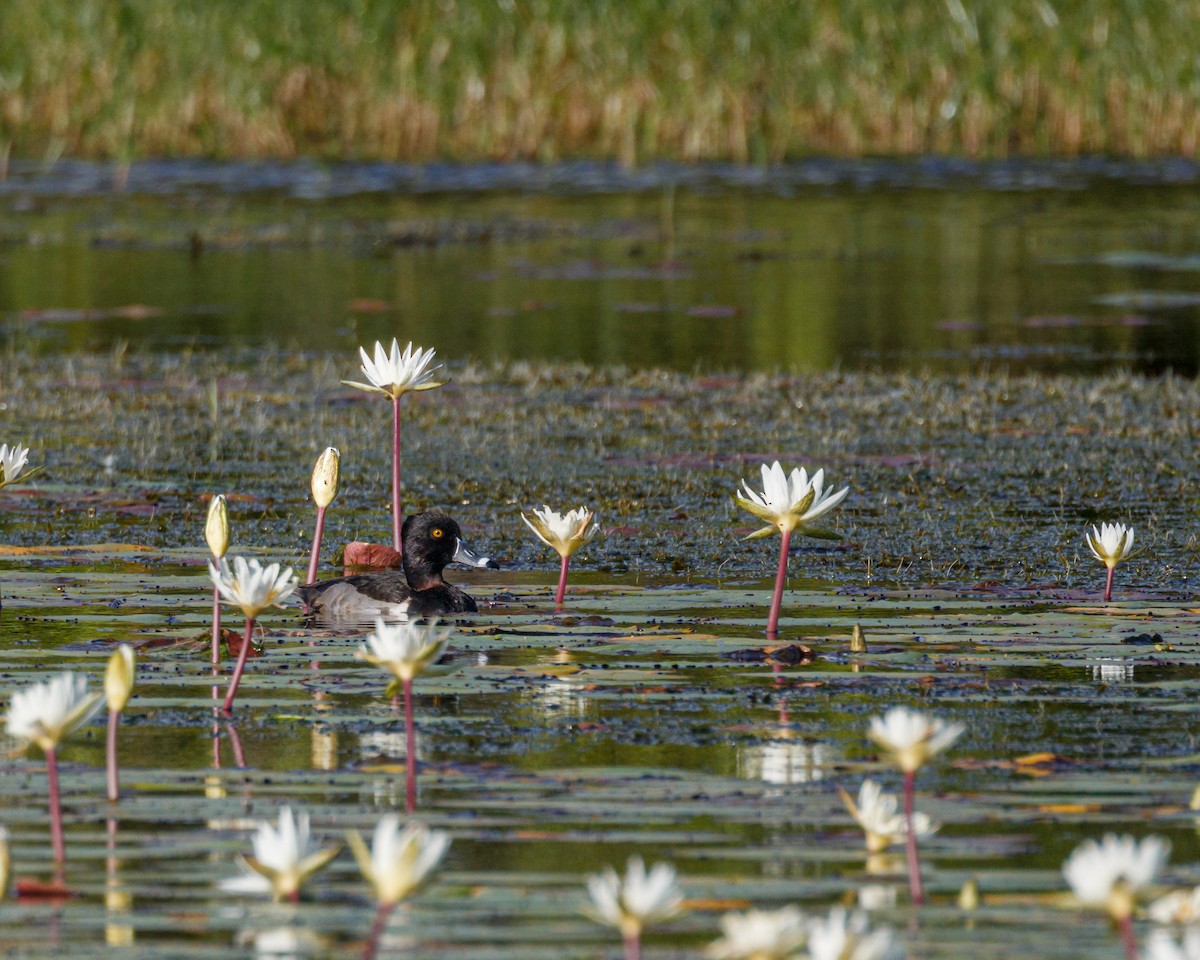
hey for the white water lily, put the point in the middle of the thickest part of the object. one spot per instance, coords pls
(912, 738)
(564, 532)
(405, 649)
(788, 501)
(638, 899)
(216, 526)
(283, 858)
(842, 936)
(400, 861)
(45, 713)
(1110, 873)
(760, 935)
(394, 373)
(1111, 543)
(1162, 946)
(250, 585)
(119, 677)
(12, 462)
(879, 815)
(1178, 906)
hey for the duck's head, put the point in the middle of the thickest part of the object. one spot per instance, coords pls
(431, 541)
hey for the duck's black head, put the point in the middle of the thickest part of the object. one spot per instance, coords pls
(431, 541)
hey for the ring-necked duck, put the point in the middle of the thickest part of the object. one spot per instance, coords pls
(431, 540)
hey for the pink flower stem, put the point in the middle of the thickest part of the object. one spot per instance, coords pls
(241, 665)
(377, 928)
(114, 789)
(914, 863)
(633, 947)
(780, 580)
(56, 818)
(397, 510)
(216, 631)
(1128, 940)
(410, 750)
(1108, 580)
(562, 582)
(315, 557)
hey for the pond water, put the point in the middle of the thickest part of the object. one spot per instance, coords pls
(938, 343)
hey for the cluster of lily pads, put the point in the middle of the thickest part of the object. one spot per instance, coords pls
(1111, 874)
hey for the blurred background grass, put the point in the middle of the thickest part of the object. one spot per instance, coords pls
(636, 80)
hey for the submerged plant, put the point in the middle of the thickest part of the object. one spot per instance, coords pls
(911, 740)
(216, 533)
(399, 863)
(564, 532)
(118, 686)
(254, 588)
(633, 902)
(394, 374)
(788, 503)
(760, 935)
(1112, 874)
(1110, 544)
(45, 714)
(405, 650)
(324, 489)
(284, 858)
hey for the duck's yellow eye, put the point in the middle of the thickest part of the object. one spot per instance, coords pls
(437, 533)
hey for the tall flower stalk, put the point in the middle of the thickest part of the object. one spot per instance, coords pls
(911, 740)
(44, 714)
(788, 503)
(254, 588)
(405, 650)
(565, 533)
(324, 489)
(118, 686)
(399, 863)
(216, 533)
(394, 373)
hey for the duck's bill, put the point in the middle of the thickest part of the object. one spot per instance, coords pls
(464, 554)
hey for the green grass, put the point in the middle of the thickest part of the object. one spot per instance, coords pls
(756, 80)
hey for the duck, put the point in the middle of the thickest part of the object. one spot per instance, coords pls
(431, 541)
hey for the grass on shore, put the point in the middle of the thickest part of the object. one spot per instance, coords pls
(756, 81)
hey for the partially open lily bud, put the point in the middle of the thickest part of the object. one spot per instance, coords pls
(216, 528)
(325, 477)
(118, 678)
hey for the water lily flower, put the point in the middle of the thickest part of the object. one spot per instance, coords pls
(12, 462)
(912, 739)
(1162, 946)
(1112, 873)
(399, 863)
(843, 936)
(788, 503)
(118, 687)
(283, 860)
(324, 489)
(1178, 906)
(564, 532)
(394, 374)
(254, 588)
(633, 902)
(216, 533)
(1110, 544)
(760, 935)
(879, 816)
(405, 650)
(44, 714)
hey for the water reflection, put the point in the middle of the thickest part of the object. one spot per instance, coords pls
(1111, 670)
(784, 762)
(282, 943)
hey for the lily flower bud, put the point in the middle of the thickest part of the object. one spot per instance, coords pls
(216, 527)
(325, 477)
